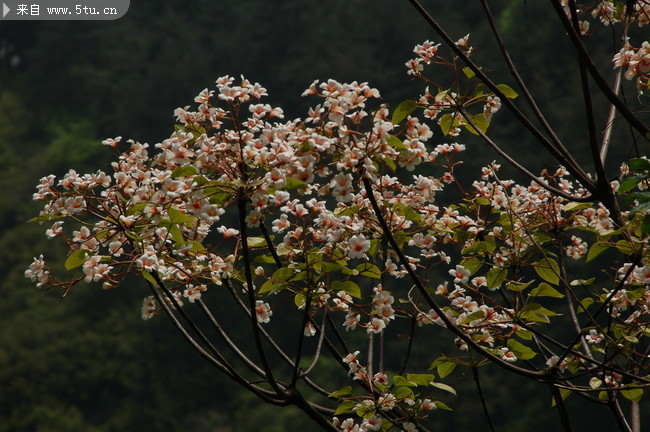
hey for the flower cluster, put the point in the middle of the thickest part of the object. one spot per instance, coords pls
(341, 213)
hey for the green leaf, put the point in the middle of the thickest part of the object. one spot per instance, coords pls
(536, 313)
(193, 245)
(444, 387)
(521, 351)
(184, 171)
(396, 143)
(577, 206)
(645, 225)
(369, 270)
(548, 270)
(596, 249)
(220, 198)
(469, 73)
(292, 183)
(545, 290)
(178, 217)
(472, 264)
(299, 300)
(347, 286)
(625, 247)
(283, 274)
(595, 383)
(444, 366)
(149, 278)
(344, 406)
(403, 110)
(633, 394)
(507, 91)
(255, 241)
(481, 122)
(329, 267)
(390, 163)
(176, 234)
(408, 213)
(43, 218)
(136, 208)
(585, 303)
(76, 259)
(517, 286)
(639, 165)
(495, 277)
(442, 406)
(642, 197)
(345, 391)
(441, 95)
(446, 122)
(272, 286)
(473, 317)
(404, 382)
(629, 183)
(641, 207)
(524, 334)
(403, 393)
(264, 259)
(480, 90)
(420, 379)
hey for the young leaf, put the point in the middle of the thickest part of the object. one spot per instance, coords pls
(401, 381)
(639, 165)
(396, 143)
(255, 241)
(468, 72)
(445, 366)
(348, 286)
(149, 278)
(344, 406)
(545, 290)
(495, 277)
(420, 379)
(472, 264)
(481, 122)
(595, 250)
(632, 394)
(345, 391)
(444, 387)
(76, 259)
(548, 270)
(629, 183)
(403, 110)
(507, 91)
(442, 406)
(369, 270)
(403, 393)
(446, 122)
(292, 183)
(283, 274)
(184, 171)
(521, 351)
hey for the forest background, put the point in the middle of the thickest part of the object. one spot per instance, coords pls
(88, 362)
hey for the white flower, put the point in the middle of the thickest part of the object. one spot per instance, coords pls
(263, 311)
(460, 274)
(358, 245)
